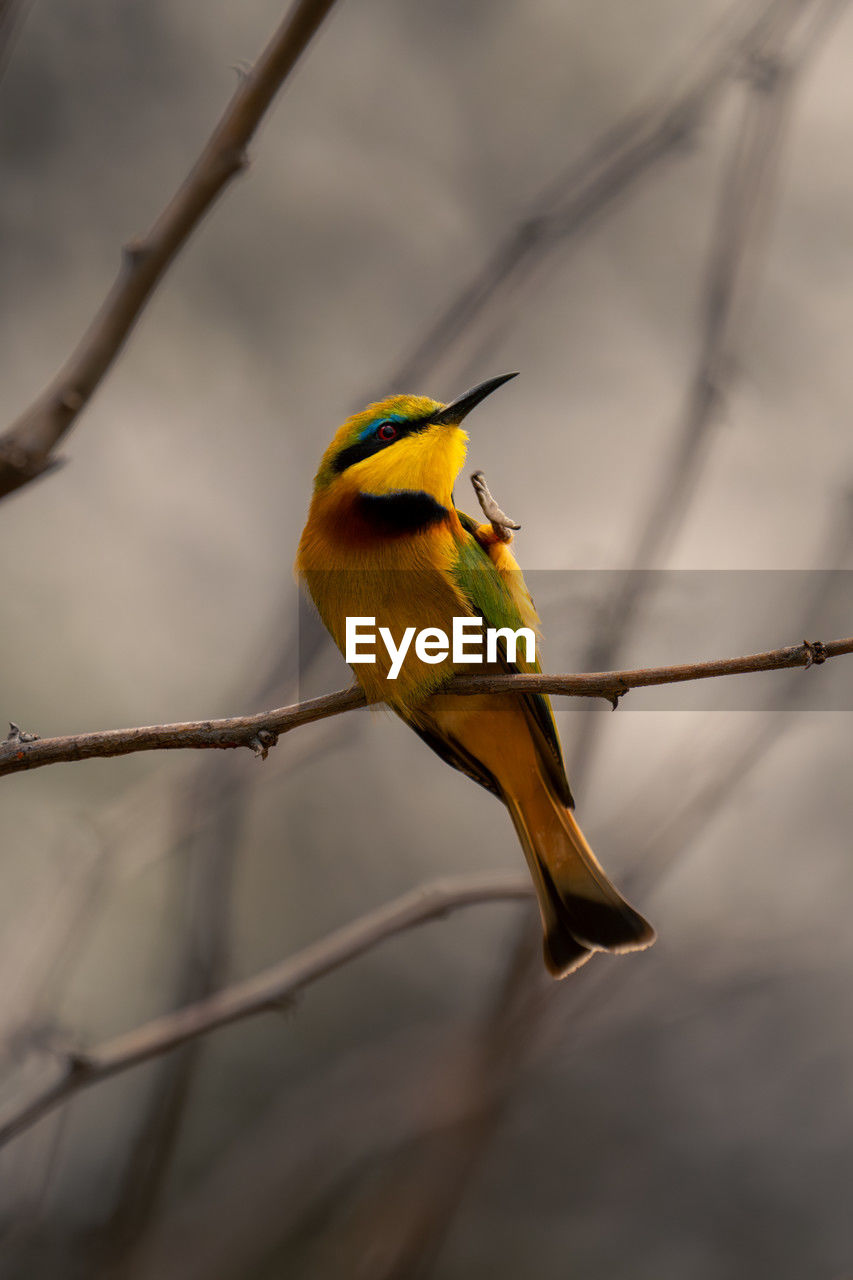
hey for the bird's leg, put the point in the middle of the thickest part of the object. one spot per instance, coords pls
(502, 525)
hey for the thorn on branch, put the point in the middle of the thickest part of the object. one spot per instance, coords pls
(78, 1063)
(262, 741)
(615, 694)
(243, 68)
(285, 1004)
(815, 653)
(501, 523)
(17, 734)
(236, 160)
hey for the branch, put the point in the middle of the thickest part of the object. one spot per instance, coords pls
(12, 14)
(22, 751)
(268, 990)
(205, 844)
(415, 1227)
(776, 67)
(26, 447)
(596, 182)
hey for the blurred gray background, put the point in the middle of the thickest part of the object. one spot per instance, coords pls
(683, 1113)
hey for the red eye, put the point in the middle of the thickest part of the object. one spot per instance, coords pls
(387, 431)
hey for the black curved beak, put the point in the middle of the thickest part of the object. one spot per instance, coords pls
(454, 413)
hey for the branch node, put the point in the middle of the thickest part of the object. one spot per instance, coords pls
(236, 160)
(763, 71)
(17, 459)
(57, 1042)
(815, 652)
(243, 69)
(285, 1003)
(535, 228)
(17, 734)
(135, 252)
(71, 400)
(615, 694)
(262, 741)
(501, 523)
(78, 1063)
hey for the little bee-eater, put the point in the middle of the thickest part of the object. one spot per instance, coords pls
(384, 540)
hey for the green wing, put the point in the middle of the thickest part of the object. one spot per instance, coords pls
(490, 595)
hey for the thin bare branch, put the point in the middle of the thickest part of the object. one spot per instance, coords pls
(202, 875)
(774, 63)
(257, 731)
(211, 817)
(269, 990)
(26, 448)
(595, 182)
(408, 1207)
(22, 751)
(774, 72)
(12, 14)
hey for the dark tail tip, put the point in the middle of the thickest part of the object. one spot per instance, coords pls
(563, 954)
(610, 926)
(606, 924)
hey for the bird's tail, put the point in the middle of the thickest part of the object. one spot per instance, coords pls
(581, 910)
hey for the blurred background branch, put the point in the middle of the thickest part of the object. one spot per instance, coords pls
(26, 447)
(771, 76)
(266, 992)
(786, 38)
(12, 14)
(587, 188)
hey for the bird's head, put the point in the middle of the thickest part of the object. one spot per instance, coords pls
(402, 444)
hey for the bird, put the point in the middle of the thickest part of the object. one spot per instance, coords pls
(384, 540)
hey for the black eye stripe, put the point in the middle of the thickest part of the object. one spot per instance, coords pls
(366, 448)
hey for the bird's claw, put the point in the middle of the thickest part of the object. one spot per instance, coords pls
(501, 523)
